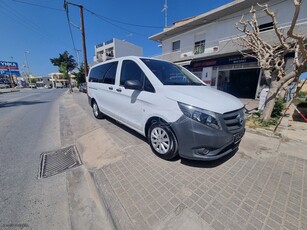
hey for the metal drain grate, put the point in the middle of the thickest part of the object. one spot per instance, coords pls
(56, 162)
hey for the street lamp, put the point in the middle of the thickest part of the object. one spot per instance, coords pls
(27, 65)
(11, 77)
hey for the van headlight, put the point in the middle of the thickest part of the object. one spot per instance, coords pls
(203, 116)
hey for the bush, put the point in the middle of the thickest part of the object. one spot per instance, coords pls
(270, 122)
(302, 94)
(278, 108)
(256, 122)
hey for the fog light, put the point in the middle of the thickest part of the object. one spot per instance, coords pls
(203, 152)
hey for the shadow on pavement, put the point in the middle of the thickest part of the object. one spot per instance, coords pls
(187, 162)
(125, 128)
(20, 103)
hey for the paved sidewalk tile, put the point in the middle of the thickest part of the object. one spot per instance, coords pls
(237, 194)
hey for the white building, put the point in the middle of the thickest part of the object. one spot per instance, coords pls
(116, 48)
(207, 44)
(55, 78)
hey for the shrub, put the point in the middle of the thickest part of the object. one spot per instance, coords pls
(278, 108)
(302, 94)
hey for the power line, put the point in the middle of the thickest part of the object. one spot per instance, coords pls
(105, 19)
(121, 22)
(102, 17)
(69, 26)
(42, 6)
(23, 20)
(120, 27)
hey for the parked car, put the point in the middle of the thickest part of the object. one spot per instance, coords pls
(4, 86)
(82, 88)
(5, 83)
(32, 85)
(58, 85)
(174, 109)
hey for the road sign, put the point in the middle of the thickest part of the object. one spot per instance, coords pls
(9, 68)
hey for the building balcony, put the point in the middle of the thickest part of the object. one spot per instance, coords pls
(227, 46)
(191, 52)
(105, 56)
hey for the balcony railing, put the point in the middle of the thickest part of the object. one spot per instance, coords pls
(104, 43)
(224, 46)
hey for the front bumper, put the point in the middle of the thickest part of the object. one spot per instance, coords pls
(199, 142)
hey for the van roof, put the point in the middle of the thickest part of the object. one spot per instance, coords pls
(126, 57)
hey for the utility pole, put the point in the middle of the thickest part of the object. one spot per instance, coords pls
(27, 65)
(78, 57)
(165, 7)
(82, 33)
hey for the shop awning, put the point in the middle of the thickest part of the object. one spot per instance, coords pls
(183, 63)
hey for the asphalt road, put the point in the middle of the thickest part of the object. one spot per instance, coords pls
(29, 125)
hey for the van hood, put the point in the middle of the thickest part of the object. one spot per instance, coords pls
(204, 97)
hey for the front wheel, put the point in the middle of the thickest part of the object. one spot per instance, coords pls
(162, 141)
(96, 111)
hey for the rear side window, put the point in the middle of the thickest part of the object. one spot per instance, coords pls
(103, 73)
(131, 71)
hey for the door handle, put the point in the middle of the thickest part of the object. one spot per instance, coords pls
(119, 90)
(110, 88)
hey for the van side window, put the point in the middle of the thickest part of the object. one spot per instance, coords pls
(98, 72)
(109, 77)
(131, 71)
(148, 86)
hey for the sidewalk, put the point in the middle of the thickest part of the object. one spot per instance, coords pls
(9, 90)
(262, 186)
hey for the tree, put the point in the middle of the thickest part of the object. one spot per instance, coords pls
(66, 63)
(32, 80)
(80, 76)
(272, 57)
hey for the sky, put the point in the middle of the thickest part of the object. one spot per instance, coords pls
(41, 27)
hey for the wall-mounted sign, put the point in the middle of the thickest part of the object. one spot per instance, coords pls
(222, 61)
(9, 68)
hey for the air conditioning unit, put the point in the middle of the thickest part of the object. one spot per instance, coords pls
(212, 49)
(187, 54)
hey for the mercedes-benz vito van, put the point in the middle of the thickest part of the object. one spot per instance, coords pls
(174, 109)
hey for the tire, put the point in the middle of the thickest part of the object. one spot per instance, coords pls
(162, 141)
(96, 111)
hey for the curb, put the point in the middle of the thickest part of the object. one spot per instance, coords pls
(88, 209)
(9, 91)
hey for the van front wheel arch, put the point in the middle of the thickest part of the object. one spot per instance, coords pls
(162, 140)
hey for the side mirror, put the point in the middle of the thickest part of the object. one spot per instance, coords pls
(133, 84)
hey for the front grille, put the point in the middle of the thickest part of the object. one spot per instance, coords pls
(234, 120)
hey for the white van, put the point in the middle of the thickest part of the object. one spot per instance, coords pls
(175, 110)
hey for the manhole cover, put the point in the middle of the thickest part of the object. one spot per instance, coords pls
(56, 162)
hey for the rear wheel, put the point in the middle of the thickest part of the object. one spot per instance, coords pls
(96, 111)
(162, 141)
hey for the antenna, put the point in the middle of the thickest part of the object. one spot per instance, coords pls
(165, 13)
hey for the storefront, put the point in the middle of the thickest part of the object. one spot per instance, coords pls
(237, 75)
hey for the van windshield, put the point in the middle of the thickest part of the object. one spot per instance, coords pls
(171, 74)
